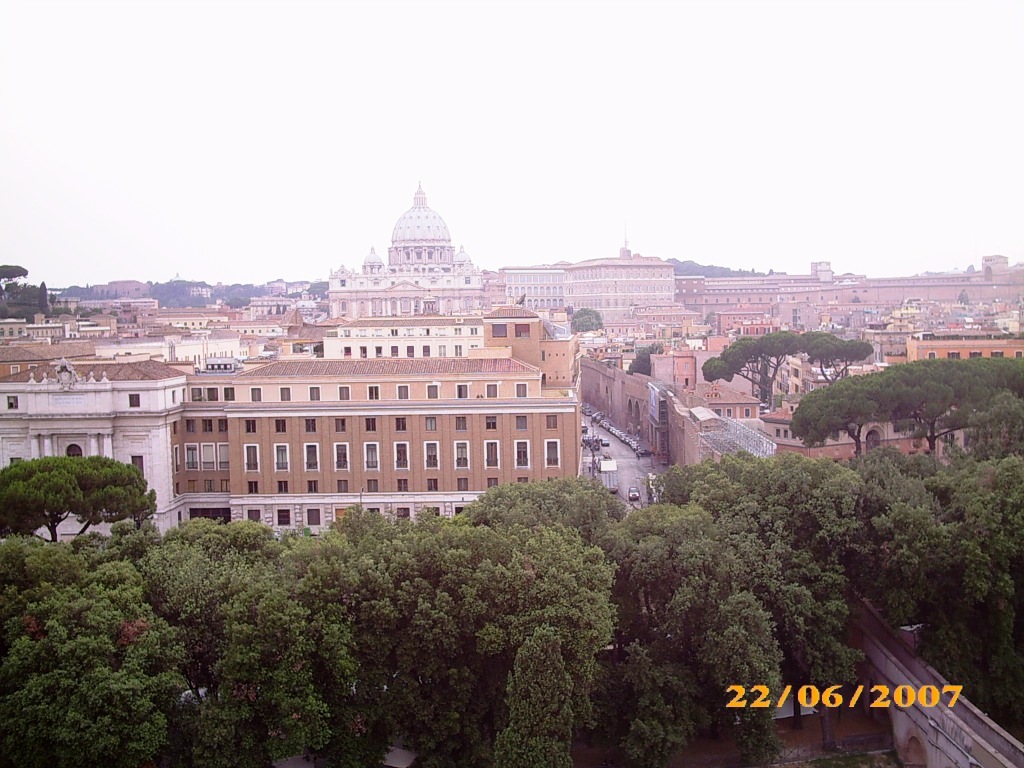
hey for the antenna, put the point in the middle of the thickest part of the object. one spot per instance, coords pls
(625, 235)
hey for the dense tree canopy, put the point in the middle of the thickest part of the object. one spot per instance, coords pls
(586, 319)
(42, 493)
(756, 359)
(642, 362)
(833, 355)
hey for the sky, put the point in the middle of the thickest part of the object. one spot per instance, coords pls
(248, 141)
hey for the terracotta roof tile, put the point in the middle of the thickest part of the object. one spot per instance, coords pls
(16, 353)
(408, 322)
(391, 367)
(147, 370)
(510, 311)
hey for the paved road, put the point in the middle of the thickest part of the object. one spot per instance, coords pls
(632, 471)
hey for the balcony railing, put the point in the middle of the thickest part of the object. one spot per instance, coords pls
(492, 462)
(431, 462)
(401, 463)
(191, 465)
(224, 464)
(209, 465)
(461, 463)
(552, 461)
(371, 464)
(313, 465)
(252, 466)
(341, 464)
(281, 465)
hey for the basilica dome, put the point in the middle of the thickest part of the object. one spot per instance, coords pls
(420, 224)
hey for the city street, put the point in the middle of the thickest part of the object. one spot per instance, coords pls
(633, 471)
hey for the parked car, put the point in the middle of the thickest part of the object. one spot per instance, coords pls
(633, 494)
(605, 442)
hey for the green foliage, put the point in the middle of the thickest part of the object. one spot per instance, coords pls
(847, 406)
(586, 319)
(693, 268)
(833, 355)
(642, 362)
(756, 359)
(42, 493)
(9, 272)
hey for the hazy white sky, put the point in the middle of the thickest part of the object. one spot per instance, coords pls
(244, 141)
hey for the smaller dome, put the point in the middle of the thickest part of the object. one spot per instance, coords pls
(372, 258)
(462, 257)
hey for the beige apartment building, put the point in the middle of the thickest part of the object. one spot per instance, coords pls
(613, 286)
(963, 344)
(295, 443)
(375, 337)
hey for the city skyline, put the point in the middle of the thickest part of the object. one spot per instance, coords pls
(229, 143)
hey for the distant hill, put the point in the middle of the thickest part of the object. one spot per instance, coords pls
(693, 268)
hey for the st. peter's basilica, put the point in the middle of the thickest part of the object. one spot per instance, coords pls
(423, 275)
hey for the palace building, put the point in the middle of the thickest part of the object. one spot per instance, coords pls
(294, 443)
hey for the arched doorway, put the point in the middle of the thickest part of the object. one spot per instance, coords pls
(915, 756)
(73, 450)
(873, 439)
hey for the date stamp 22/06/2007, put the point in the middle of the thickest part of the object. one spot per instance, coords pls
(880, 696)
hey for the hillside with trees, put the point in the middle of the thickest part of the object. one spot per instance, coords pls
(692, 268)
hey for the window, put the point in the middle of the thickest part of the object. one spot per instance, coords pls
(313, 516)
(372, 486)
(250, 426)
(197, 394)
(442, 350)
(492, 482)
(12, 402)
(222, 425)
(400, 424)
(403, 485)
(256, 394)
(499, 331)
(522, 453)
(280, 426)
(430, 424)
(491, 453)
(458, 350)
(432, 393)
(403, 391)
(394, 350)
(460, 424)
(190, 425)
(286, 394)
(207, 425)
(430, 457)
(340, 425)
(931, 355)
(344, 393)
(461, 455)
(191, 486)
(134, 400)
(362, 352)
(343, 486)
(520, 422)
(370, 454)
(431, 483)
(997, 353)
(371, 423)
(974, 354)
(341, 455)
(310, 425)
(373, 392)
(462, 484)
(410, 351)
(551, 452)
(208, 486)
(492, 390)
(402, 513)
(953, 355)
(253, 486)
(522, 330)
(312, 486)
(139, 463)
(229, 394)
(462, 391)
(284, 516)
(222, 456)
(491, 422)
(426, 350)
(211, 394)
(282, 486)
(520, 390)
(522, 479)
(281, 457)
(312, 457)
(314, 393)
(401, 455)
(252, 458)
(253, 515)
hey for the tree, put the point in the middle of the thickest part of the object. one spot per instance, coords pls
(997, 431)
(846, 406)
(90, 678)
(44, 298)
(586, 319)
(539, 732)
(10, 272)
(833, 355)
(43, 493)
(642, 362)
(756, 359)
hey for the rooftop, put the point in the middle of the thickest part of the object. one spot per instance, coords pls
(148, 370)
(391, 367)
(16, 353)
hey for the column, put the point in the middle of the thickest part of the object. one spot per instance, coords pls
(47, 445)
(108, 444)
(33, 446)
(94, 445)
